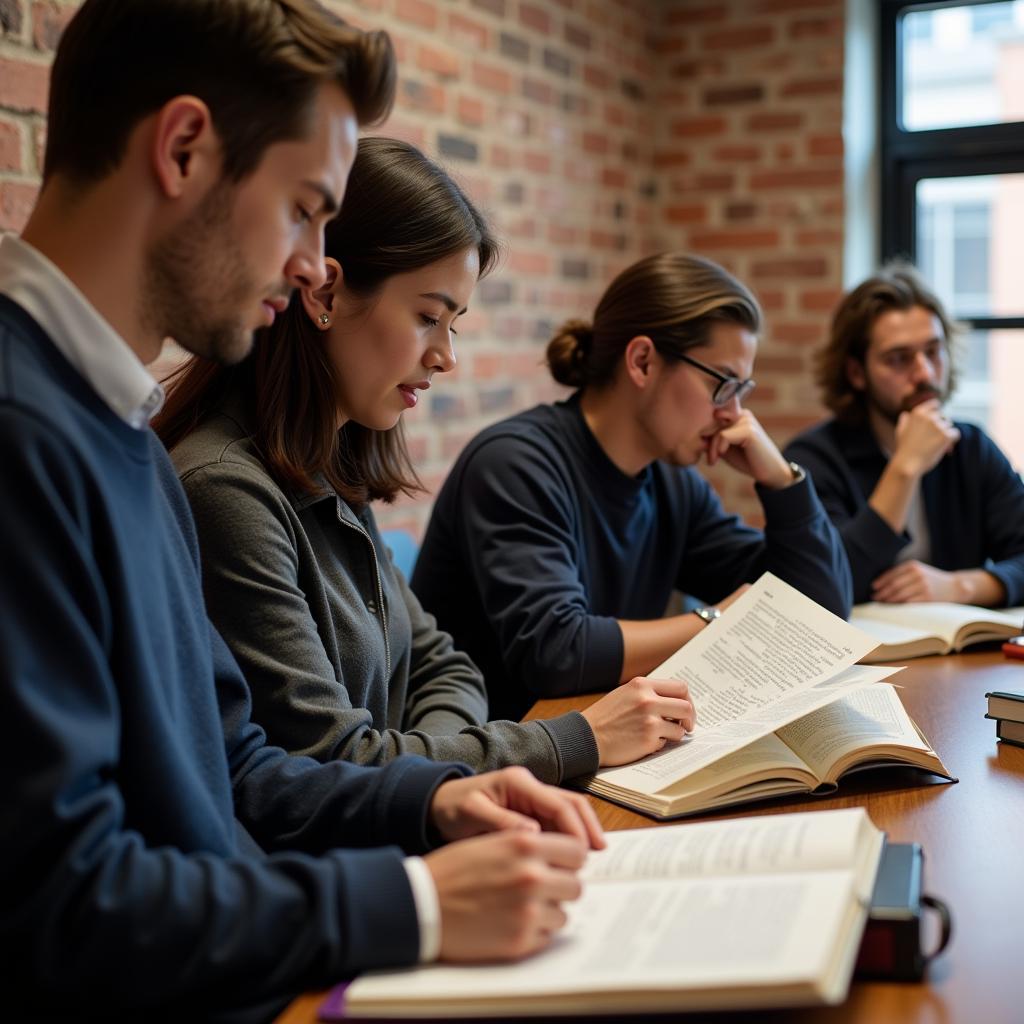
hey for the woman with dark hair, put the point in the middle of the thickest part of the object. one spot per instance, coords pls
(280, 457)
(560, 534)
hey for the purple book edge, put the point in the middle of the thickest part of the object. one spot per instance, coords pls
(333, 1007)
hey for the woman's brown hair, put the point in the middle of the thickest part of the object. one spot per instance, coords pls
(672, 298)
(401, 212)
(897, 286)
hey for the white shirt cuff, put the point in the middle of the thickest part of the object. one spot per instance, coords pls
(428, 907)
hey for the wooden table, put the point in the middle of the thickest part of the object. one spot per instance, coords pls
(973, 838)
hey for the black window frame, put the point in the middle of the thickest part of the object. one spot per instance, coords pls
(907, 157)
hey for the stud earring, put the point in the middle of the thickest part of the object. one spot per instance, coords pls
(324, 319)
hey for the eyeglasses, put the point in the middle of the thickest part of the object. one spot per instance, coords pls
(728, 387)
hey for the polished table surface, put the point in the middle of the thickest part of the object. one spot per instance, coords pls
(973, 839)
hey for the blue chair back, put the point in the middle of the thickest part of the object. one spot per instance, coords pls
(404, 550)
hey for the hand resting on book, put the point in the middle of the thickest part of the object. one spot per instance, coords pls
(639, 717)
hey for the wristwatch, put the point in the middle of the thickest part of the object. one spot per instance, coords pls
(707, 614)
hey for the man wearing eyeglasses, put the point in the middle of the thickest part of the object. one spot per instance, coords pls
(561, 533)
(929, 510)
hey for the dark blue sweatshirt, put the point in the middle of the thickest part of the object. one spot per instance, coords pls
(138, 799)
(538, 543)
(973, 503)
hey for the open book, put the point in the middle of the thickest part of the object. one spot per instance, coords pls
(781, 709)
(916, 630)
(868, 728)
(753, 912)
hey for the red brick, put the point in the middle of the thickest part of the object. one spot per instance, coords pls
(737, 153)
(704, 182)
(10, 146)
(423, 96)
(615, 114)
(777, 364)
(771, 301)
(39, 144)
(699, 127)
(596, 76)
(613, 177)
(417, 12)
(703, 68)
(595, 142)
(488, 365)
(690, 16)
(560, 234)
(825, 145)
(729, 95)
(664, 47)
(24, 86)
(737, 238)
(408, 131)
(502, 157)
(525, 262)
(830, 86)
(688, 213)
(534, 17)
(797, 333)
(675, 158)
(440, 62)
(820, 238)
(538, 162)
(48, 22)
(493, 78)
(743, 38)
(806, 178)
(782, 6)
(741, 210)
(468, 31)
(791, 266)
(16, 202)
(817, 28)
(774, 122)
(820, 300)
(469, 111)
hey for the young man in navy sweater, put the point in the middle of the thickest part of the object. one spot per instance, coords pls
(928, 509)
(158, 856)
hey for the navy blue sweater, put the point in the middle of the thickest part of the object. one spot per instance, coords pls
(138, 798)
(538, 543)
(973, 502)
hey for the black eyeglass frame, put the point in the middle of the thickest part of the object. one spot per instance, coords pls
(728, 387)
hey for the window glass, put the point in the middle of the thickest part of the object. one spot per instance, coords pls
(968, 242)
(991, 368)
(962, 65)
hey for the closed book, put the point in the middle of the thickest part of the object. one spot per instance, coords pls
(1005, 704)
(1010, 732)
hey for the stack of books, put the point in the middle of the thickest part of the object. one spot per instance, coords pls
(1008, 711)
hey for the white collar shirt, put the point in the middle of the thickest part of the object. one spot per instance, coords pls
(78, 331)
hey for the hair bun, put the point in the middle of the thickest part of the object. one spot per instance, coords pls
(567, 352)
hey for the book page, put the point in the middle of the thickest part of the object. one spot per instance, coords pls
(769, 643)
(873, 716)
(707, 744)
(650, 935)
(900, 623)
(740, 846)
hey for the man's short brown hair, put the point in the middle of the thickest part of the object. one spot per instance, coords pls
(257, 64)
(897, 286)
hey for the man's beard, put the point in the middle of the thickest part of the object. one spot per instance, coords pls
(195, 283)
(891, 412)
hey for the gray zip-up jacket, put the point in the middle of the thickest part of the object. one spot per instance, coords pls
(341, 659)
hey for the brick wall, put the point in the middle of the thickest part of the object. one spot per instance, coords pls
(592, 132)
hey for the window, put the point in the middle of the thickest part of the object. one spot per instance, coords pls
(953, 185)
